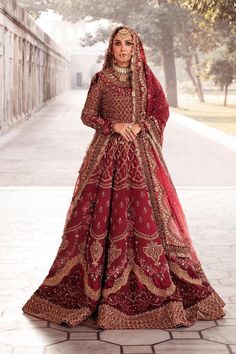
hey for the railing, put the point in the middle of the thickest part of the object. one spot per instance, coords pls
(33, 68)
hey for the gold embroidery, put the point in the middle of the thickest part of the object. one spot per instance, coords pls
(56, 279)
(151, 286)
(118, 283)
(111, 318)
(46, 310)
(91, 160)
(161, 212)
(113, 79)
(63, 245)
(96, 251)
(182, 274)
(154, 251)
(112, 102)
(131, 255)
(153, 188)
(123, 279)
(180, 251)
(92, 294)
(146, 236)
(98, 236)
(114, 253)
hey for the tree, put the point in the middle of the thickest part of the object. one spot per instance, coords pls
(221, 69)
(212, 23)
(35, 8)
(135, 13)
(221, 72)
(173, 30)
(132, 13)
(213, 11)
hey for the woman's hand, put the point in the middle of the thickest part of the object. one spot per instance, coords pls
(128, 130)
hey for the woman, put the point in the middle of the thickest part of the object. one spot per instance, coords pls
(126, 259)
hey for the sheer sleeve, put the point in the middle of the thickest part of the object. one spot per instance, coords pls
(157, 108)
(90, 115)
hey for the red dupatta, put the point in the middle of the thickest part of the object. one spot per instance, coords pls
(151, 111)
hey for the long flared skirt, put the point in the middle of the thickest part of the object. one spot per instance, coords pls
(123, 261)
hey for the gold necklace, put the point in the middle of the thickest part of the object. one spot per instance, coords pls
(123, 72)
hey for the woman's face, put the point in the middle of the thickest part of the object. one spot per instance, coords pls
(122, 47)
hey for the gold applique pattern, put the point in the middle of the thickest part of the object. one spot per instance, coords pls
(96, 251)
(154, 251)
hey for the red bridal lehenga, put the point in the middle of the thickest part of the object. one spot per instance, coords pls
(126, 259)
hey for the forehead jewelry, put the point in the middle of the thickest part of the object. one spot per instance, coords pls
(123, 32)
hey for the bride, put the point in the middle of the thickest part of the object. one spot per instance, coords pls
(126, 259)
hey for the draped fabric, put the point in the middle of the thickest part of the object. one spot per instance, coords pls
(126, 258)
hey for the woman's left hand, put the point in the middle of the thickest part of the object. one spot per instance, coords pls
(128, 130)
(135, 129)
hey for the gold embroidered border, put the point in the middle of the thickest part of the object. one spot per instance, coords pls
(156, 192)
(118, 283)
(152, 188)
(182, 274)
(123, 279)
(169, 316)
(101, 236)
(148, 282)
(57, 278)
(92, 158)
(45, 310)
(146, 236)
(178, 250)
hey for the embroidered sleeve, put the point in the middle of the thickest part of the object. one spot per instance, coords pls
(91, 113)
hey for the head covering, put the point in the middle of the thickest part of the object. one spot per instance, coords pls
(151, 110)
(145, 86)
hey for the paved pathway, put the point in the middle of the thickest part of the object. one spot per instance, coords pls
(48, 149)
(39, 164)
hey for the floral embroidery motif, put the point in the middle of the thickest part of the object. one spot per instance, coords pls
(154, 251)
(96, 251)
(114, 253)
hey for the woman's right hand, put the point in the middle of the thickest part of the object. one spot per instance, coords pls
(128, 133)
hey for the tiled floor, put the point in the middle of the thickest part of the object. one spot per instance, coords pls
(36, 191)
(31, 224)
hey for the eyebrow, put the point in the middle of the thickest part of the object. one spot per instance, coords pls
(126, 40)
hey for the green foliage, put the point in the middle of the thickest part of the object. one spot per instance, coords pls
(220, 71)
(221, 68)
(146, 16)
(194, 26)
(213, 11)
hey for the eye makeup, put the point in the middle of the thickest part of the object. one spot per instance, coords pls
(128, 42)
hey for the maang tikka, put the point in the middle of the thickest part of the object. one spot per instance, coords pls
(123, 32)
